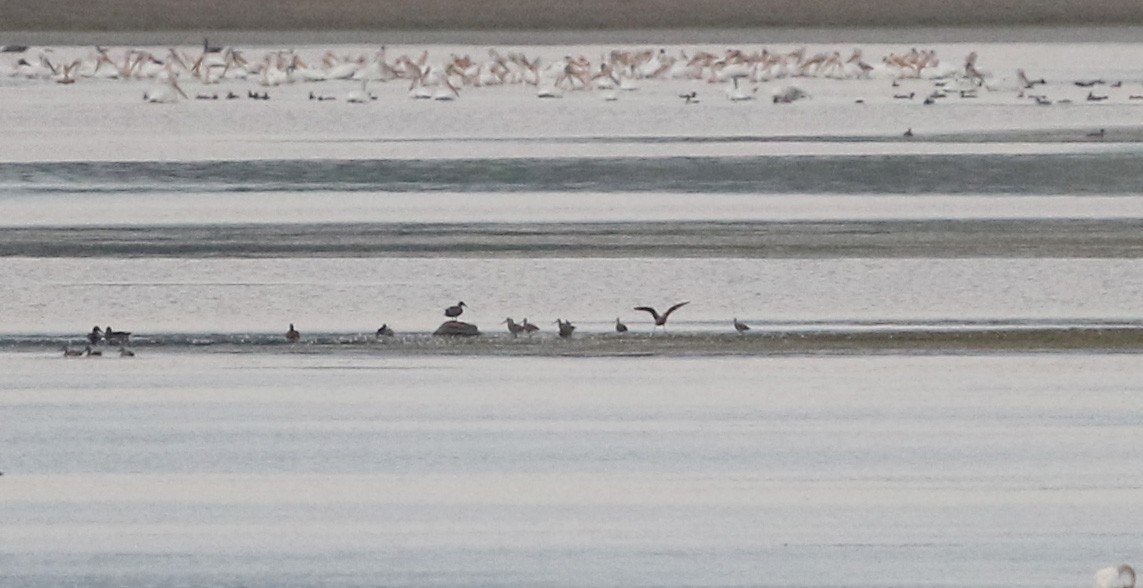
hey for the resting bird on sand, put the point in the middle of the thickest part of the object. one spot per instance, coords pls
(1121, 576)
(620, 327)
(740, 326)
(661, 319)
(293, 336)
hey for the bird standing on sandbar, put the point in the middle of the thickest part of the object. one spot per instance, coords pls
(620, 327)
(513, 328)
(740, 326)
(661, 319)
(566, 328)
(455, 311)
(293, 336)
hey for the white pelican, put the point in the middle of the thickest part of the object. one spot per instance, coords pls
(455, 311)
(361, 96)
(740, 326)
(661, 319)
(737, 94)
(1121, 576)
(448, 92)
(292, 335)
(165, 93)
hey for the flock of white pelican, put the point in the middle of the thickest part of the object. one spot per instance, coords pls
(445, 77)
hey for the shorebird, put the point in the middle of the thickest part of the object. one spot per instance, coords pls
(566, 328)
(661, 319)
(384, 331)
(740, 326)
(620, 327)
(95, 335)
(293, 336)
(528, 327)
(455, 311)
(908, 132)
(1122, 576)
(513, 328)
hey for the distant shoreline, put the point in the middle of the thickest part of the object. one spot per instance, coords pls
(917, 35)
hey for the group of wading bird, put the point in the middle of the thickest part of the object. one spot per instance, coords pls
(565, 328)
(443, 78)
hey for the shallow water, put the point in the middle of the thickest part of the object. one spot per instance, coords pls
(266, 470)
(941, 385)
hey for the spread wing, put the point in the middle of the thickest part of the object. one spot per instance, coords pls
(653, 312)
(674, 308)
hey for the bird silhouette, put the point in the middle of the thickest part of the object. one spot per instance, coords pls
(455, 311)
(661, 319)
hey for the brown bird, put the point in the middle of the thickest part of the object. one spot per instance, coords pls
(661, 319)
(293, 336)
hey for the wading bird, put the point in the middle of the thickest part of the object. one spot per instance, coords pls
(513, 328)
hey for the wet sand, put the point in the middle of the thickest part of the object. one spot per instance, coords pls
(508, 15)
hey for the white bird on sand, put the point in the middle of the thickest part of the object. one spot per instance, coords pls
(661, 319)
(1121, 576)
(164, 93)
(361, 96)
(737, 94)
